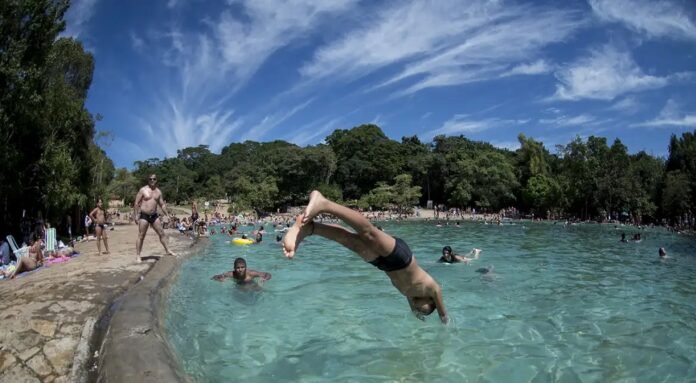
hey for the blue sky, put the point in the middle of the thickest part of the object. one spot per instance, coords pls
(174, 74)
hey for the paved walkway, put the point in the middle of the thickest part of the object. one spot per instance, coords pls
(47, 317)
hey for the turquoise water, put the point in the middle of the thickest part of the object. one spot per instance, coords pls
(563, 304)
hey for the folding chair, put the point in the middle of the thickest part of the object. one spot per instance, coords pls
(51, 240)
(18, 251)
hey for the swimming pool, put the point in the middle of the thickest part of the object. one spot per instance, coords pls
(562, 304)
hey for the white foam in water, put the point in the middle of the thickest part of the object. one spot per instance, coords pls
(563, 304)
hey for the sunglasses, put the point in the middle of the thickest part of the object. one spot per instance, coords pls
(153, 179)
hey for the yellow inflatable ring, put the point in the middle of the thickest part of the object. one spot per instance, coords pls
(242, 241)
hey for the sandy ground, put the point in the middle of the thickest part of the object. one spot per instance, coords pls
(48, 316)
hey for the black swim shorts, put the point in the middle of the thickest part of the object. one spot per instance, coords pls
(399, 258)
(151, 218)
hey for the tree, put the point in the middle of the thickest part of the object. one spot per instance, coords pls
(365, 156)
(124, 186)
(675, 198)
(405, 195)
(46, 134)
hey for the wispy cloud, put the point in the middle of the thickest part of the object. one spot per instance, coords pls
(671, 115)
(378, 121)
(607, 73)
(654, 18)
(175, 127)
(444, 43)
(628, 105)
(77, 17)
(310, 133)
(536, 67)
(461, 124)
(212, 64)
(173, 3)
(271, 121)
(137, 42)
(579, 120)
(245, 43)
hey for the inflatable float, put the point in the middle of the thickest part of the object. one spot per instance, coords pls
(242, 241)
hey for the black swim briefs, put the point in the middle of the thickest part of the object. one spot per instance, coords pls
(151, 218)
(399, 258)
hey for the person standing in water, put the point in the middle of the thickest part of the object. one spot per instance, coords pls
(98, 216)
(145, 214)
(383, 251)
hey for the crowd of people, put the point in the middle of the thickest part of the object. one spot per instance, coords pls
(149, 202)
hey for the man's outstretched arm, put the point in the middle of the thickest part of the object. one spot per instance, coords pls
(223, 276)
(264, 276)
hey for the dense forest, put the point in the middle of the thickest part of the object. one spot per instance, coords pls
(52, 167)
(585, 179)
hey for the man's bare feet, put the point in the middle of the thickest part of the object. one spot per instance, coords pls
(295, 235)
(106, 253)
(138, 259)
(171, 253)
(316, 201)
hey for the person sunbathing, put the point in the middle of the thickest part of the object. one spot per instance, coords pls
(32, 260)
(389, 254)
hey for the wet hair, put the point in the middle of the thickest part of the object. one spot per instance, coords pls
(447, 248)
(662, 252)
(431, 308)
(423, 310)
(239, 261)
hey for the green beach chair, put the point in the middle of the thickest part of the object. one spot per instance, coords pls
(51, 240)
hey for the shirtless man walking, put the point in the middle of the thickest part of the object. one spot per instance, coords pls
(145, 213)
(98, 216)
(383, 251)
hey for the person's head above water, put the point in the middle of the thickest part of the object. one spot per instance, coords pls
(662, 252)
(447, 253)
(423, 306)
(239, 267)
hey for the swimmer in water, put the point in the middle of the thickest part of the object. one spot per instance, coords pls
(449, 257)
(241, 275)
(380, 249)
(662, 253)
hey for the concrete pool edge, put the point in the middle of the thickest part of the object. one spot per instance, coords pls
(134, 346)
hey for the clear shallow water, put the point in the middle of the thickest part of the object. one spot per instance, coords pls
(563, 304)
